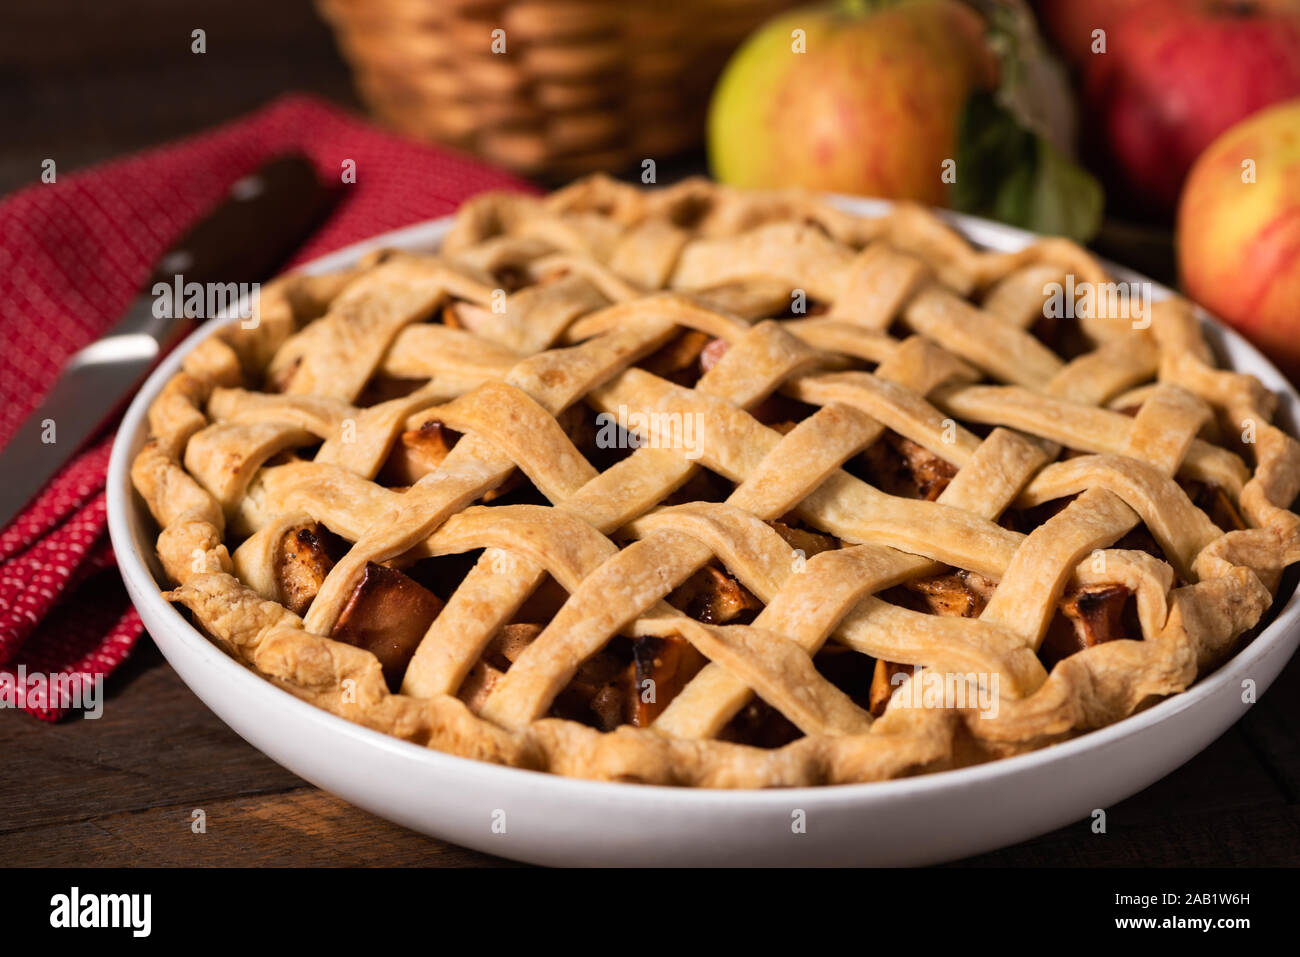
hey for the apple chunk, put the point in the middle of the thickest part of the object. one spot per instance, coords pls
(1088, 616)
(418, 452)
(662, 667)
(301, 564)
(387, 615)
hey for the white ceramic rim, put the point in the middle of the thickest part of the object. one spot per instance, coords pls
(136, 570)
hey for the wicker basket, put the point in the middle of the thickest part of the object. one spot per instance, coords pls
(582, 84)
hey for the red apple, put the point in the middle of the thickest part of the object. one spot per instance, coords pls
(1177, 73)
(1239, 241)
(871, 105)
(1069, 24)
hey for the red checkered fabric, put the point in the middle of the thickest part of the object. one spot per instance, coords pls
(72, 256)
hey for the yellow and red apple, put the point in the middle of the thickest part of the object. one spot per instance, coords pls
(1239, 231)
(857, 97)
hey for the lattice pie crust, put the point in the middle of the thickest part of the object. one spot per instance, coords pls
(918, 475)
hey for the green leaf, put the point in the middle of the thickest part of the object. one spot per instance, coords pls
(1032, 83)
(1068, 200)
(1010, 173)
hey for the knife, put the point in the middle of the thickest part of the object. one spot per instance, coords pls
(262, 220)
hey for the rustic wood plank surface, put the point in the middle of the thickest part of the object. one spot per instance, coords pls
(121, 790)
(82, 81)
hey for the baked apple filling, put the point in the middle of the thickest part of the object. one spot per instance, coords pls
(1089, 616)
(899, 466)
(416, 453)
(302, 562)
(387, 614)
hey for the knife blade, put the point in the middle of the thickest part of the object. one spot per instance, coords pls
(263, 219)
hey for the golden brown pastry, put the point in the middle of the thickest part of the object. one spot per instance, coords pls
(705, 487)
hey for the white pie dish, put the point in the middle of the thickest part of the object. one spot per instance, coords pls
(555, 820)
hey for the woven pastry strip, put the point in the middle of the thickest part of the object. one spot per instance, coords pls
(675, 306)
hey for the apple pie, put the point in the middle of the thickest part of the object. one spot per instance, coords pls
(705, 487)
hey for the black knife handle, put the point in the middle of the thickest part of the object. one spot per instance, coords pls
(282, 199)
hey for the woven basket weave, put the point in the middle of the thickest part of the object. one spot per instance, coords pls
(582, 84)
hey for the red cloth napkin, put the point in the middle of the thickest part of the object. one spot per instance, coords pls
(72, 256)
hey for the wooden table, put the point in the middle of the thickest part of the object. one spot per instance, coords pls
(82, 81)
(121, 790)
